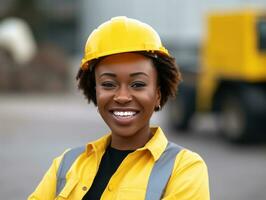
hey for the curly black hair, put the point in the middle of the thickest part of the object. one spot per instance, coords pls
(169, 77)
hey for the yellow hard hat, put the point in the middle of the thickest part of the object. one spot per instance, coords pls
(120, 35)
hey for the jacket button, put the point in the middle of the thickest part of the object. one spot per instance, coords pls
(84, 188)
(110, 187)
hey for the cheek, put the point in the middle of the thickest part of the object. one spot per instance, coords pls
(148, 99)
(102, 97)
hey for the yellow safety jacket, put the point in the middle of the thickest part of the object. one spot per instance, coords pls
(189, 179)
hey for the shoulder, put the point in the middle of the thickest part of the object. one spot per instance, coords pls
(187, 159)
(57, 160)
(183, 156)
(189, 178)
(189, 167)
(71, 154)
(187, 156)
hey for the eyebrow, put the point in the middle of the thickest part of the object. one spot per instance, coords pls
(108, 74)
(138, 73)
(131, 75)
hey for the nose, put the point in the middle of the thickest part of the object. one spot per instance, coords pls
(122, 95)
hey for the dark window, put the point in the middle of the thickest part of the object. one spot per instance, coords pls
(261, 29)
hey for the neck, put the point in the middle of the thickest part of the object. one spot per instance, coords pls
(131, 142)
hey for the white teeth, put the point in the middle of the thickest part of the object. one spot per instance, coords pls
(124, 114)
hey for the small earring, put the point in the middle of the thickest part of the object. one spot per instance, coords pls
(159, 107)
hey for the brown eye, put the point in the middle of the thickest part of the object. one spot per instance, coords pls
(108, 85)
(138, 84)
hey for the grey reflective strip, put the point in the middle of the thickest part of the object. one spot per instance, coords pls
(161, 172)
(65, 165)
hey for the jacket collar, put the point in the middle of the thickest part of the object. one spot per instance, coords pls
(99, 145)
(156, 145)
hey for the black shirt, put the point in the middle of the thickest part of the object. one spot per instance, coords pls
(110, 161)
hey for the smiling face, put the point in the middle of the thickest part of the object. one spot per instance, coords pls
(127, 94)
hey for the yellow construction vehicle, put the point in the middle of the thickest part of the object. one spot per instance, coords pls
(232, 76)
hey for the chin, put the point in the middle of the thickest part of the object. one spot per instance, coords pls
(127, 131)
(124, 131)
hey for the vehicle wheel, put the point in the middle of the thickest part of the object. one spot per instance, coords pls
(182, 108)
(235, 118)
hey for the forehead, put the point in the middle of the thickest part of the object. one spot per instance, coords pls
(125, 63)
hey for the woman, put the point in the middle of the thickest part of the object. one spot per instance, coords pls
(127, 74)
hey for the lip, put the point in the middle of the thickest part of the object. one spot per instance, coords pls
(123, 109)
(123, 121)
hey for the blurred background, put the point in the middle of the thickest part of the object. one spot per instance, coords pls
(220, 47)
